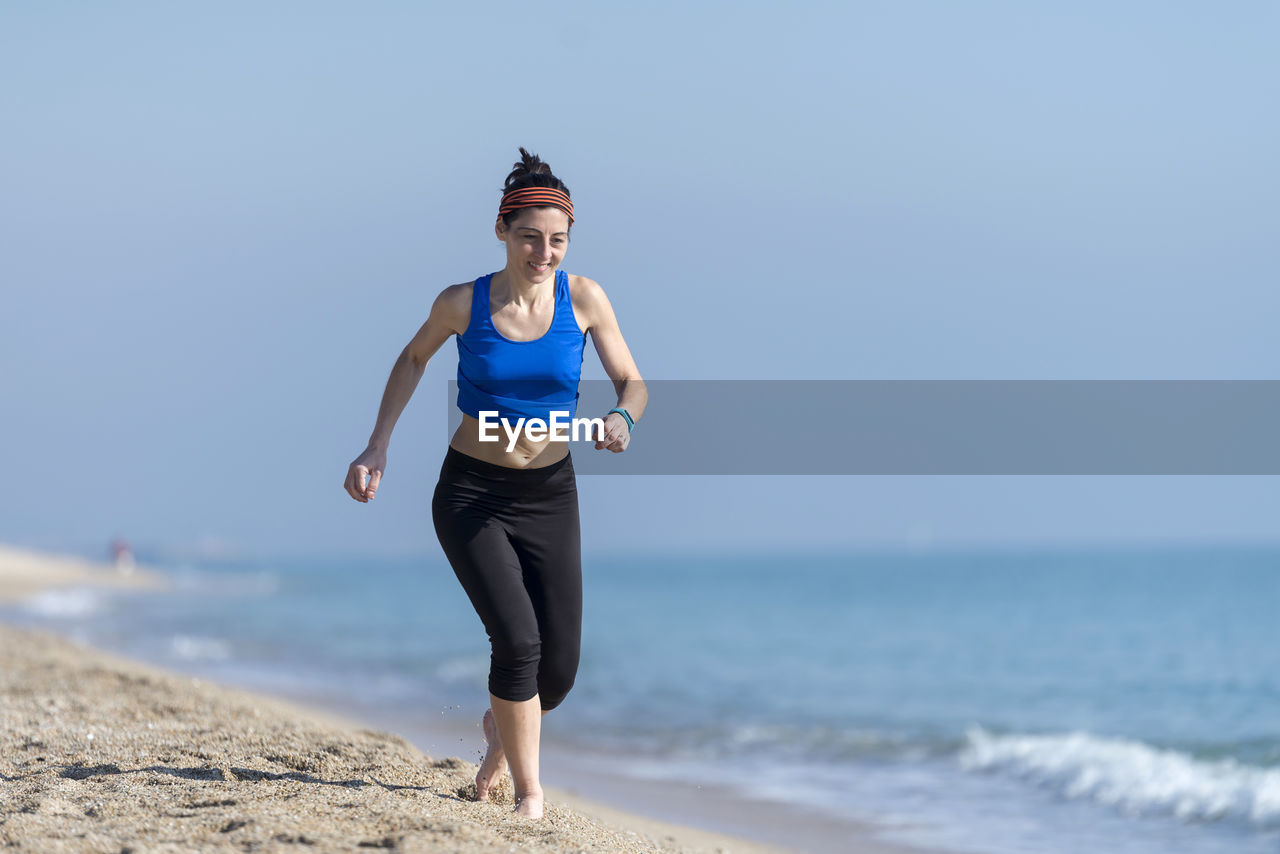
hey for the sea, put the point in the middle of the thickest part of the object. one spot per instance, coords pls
(999, 700)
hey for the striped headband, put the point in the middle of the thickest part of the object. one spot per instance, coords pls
(536, 197)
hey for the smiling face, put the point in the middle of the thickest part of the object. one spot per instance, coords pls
(536, 242)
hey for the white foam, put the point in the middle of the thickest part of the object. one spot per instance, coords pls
(1131, 776)
(189, 648)
(73, 602)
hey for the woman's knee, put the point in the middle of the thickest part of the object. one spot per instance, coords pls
(555, 679)
(551, 698)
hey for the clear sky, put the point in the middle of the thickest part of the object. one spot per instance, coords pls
(219, 225)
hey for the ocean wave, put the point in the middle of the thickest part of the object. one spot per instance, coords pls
(189, 648)
(823, 742)
(73, 602)
(1131, 776)
(802, 743)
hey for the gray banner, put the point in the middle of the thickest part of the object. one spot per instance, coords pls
(939, 427)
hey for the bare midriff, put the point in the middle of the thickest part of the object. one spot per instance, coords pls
(525, 454)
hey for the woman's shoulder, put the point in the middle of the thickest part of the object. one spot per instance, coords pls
(584, 291)
(458, 291)
(450, 314)
(587, 296)
(581, 283)
(453, 305)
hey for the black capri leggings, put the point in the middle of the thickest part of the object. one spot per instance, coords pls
(513, 539)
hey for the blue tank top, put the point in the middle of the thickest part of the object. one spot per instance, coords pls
(520, 379)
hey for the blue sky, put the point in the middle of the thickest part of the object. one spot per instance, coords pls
(219, 225)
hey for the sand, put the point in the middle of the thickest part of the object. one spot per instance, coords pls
(101, 753)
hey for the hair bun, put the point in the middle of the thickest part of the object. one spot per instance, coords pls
(532, 163)
(528, 164)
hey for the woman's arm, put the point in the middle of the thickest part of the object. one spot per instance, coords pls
(450, 313)
(615, 356)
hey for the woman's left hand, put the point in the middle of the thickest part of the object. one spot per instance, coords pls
(616, 434)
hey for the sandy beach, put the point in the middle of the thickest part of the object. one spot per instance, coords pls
(102, 753)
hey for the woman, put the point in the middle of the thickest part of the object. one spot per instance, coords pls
(506, 512)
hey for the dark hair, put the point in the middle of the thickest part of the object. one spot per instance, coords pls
(530, 171)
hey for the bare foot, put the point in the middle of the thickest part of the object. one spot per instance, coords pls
(530, 805)
(494, 764)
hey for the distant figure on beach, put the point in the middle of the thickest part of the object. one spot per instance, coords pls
(505, 507)
(122, 556)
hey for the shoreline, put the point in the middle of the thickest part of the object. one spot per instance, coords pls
(49, 676)
(581, 779)
(102, 752)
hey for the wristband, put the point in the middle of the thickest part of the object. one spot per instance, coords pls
(626, 416)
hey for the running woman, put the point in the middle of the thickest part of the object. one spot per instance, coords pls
(506, 513)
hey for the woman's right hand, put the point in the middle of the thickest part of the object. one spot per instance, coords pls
(368, 465)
